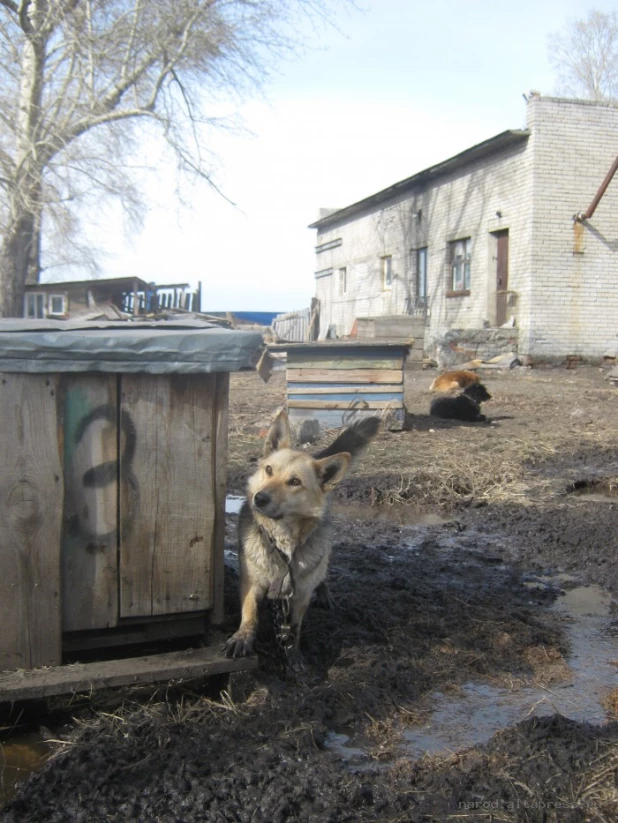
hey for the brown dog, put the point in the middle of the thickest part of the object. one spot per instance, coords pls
(285, 531)
(451, 380)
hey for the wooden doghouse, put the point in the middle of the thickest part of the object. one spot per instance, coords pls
(328, 380)
(113, 456)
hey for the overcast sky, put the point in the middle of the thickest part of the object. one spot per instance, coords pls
(398, 86)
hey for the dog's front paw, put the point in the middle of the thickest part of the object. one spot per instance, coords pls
(240, 645)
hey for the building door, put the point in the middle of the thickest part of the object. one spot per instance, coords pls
(502, 275)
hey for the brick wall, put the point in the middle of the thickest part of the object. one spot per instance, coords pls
(574, 272)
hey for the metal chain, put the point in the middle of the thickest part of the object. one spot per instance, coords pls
(286, 632)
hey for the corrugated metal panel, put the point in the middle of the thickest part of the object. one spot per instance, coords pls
(292, 326)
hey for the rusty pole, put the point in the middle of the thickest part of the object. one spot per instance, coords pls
(597, 197)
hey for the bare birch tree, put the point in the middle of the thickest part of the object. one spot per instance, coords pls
(584, 55)
(79, 79)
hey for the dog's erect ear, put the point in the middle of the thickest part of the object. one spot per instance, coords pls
(278, 436)
(331, 470)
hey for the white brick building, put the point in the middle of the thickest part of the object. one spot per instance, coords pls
(490, 235)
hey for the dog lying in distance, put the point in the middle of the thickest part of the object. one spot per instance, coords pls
(452, 380)
(466, 406)
(284, 529)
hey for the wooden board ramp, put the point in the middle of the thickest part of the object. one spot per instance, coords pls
(30, 684)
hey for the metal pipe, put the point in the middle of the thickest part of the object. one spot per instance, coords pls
(602, 189)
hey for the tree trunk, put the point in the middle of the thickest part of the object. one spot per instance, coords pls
(20, 252)
(19, 262)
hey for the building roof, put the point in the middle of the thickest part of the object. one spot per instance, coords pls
(501, 141)
(126, 283)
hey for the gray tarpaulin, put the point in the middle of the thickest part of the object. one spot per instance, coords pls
(164, 347)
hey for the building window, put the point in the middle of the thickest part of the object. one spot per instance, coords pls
(460, 254)
(387, 272)
(343, 277)
(35, 305)
(57, 304)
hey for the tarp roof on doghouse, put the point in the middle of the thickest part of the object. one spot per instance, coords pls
(186, 347)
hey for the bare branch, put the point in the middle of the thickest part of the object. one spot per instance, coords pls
(10, 5)
(584, 55)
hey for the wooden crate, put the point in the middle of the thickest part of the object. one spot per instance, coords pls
(112, 502)
(326, 381)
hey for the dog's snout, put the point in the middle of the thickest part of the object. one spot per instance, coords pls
(261, 499)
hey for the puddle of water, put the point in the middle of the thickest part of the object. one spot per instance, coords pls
(594, 490)
(582, 601)
(19, 757)
(469, 719)
(233, 504)
(338, 744)
(474, 716)
(355, 757)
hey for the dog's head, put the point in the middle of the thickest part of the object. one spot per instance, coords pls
(290, 483)
(478, 392)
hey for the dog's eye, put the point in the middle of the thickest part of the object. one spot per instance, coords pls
(293, 481)
(268, 470)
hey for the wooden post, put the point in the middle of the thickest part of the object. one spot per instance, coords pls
(167, 526)
(90, 529)
(31, 495)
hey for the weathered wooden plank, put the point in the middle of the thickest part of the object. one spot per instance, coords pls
(343, 388)
(220, 481)
(343, 404)
(348, 399)
(89, 416)
(136, 632)
(31, 492)
(345, 375)
(311, 361)
(167, 528)
(85, 677)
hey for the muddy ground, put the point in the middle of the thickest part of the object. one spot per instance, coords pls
(454, 547)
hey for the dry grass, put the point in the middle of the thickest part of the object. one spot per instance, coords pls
(542, 417)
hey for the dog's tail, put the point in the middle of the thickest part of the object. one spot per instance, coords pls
(354, 439)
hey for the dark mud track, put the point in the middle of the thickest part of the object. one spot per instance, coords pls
(420, 610)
